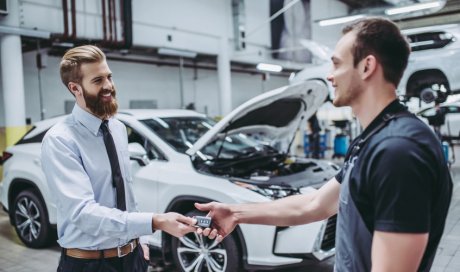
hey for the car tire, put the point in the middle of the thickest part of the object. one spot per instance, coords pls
(195, 252)
(31, 220)
(424, 82)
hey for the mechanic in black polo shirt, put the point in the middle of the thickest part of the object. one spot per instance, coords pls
(393, 192)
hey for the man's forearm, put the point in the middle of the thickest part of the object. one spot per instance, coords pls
(292, 210)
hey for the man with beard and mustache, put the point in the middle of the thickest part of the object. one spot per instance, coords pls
(393, 192)
(86, 162)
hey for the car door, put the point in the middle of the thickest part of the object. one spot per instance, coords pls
(145, 177)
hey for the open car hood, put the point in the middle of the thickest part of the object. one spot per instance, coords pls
(275, 114)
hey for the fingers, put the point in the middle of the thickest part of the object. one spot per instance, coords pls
(199, 231)
(206, 231)
(186, 220)
(146, 251)
(186, 224)
(213, 234)
(204, 207)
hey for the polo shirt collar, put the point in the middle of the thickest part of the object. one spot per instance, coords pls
(88, 120)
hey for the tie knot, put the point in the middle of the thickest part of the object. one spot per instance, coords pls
(105, 126)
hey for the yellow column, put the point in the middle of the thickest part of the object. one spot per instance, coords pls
(13, 134)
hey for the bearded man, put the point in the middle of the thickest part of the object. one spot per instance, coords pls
(86, 162)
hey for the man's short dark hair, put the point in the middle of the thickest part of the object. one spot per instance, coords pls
(382, 39)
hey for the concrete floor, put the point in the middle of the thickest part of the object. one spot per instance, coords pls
(15, 257)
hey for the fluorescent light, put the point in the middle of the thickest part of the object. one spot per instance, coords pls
(410, 8)
(269, 67)
(176, 52)
(340, 20)
(64, 44)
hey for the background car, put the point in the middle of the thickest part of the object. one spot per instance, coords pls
(429, 74)
(179, 157)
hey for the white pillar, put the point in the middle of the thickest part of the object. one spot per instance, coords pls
(224, 74)
(13, 87)
(13, 79)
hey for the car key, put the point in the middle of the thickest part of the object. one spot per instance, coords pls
(203, 221)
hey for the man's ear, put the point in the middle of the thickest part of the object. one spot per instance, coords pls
(368, 66)
(75, 89)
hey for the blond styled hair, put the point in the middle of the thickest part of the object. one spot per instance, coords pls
(74, 58)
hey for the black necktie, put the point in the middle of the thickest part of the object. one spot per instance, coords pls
(117, 178)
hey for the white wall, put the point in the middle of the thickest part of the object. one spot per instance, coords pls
(136, 81)
(195, 25)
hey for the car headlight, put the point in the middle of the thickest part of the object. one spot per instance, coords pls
(272, 191)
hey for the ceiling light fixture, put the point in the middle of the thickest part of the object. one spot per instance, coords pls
(269, 67)
(411, 8)
(340, 20)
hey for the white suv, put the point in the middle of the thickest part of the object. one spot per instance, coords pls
(180, 157)
(430, 73)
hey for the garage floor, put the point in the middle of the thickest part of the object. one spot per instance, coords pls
(15, 257)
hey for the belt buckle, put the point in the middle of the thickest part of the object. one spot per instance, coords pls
(120, 254)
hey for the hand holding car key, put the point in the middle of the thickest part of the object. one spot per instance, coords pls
(203, 225)
(203, 221)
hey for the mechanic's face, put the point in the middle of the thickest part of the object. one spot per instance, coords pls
(98, 89)
(344, 76)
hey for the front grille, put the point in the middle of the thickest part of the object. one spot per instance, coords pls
(329, 234)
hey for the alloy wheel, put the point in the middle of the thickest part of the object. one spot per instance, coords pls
(27, 218)
(197, 253)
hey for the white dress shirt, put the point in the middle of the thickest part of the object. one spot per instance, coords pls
(77, 168)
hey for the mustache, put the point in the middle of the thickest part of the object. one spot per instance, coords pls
(106, 91)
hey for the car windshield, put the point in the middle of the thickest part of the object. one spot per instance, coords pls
(182, 132)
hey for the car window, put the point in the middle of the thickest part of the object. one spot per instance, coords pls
(153, 153)
(182, 132)
(179, 132)
(35, 139)
(429, 40)
(233, 146)
(453, 109)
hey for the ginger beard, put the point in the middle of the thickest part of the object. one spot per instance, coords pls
(102, 105)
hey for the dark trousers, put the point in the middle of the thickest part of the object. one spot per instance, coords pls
(134, 262)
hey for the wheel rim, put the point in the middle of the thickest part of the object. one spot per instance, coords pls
(27, 218)
(197, 253)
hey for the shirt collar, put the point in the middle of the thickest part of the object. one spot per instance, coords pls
(91, 122)
(393, 107)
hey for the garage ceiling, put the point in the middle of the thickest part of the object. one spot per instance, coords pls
(450, 13)
(359, 4)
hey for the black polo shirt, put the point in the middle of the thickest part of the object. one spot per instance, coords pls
(401, 182)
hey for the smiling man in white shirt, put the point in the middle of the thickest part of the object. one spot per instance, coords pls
(86, 162)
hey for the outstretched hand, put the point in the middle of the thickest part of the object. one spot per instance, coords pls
(174, 223)
(223, 220)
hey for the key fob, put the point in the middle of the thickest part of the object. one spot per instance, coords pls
(203, 221)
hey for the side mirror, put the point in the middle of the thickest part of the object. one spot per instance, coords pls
(137, 152)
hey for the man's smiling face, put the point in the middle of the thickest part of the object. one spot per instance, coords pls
(98, 89)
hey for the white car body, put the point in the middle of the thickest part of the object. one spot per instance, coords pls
(172, 182)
